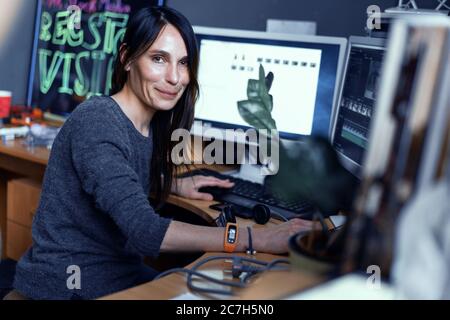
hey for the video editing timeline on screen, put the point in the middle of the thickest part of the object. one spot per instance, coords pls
(358, 101)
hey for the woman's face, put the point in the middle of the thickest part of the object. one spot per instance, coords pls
(160, 75)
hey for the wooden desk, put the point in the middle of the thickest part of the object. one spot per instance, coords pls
(270, 285)
(17, 160)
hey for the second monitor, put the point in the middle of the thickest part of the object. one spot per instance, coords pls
(306, 70)
(357, 100)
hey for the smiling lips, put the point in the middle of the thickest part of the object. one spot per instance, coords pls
(168, 94)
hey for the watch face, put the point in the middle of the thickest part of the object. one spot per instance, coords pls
(231, 237)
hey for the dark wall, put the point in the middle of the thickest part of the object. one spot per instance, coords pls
(333, 17)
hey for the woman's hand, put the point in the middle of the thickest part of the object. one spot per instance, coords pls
(188, 187)
(275, 239)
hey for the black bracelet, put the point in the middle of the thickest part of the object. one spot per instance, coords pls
(250, 249)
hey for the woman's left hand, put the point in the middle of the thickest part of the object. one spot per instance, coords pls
(188, 187)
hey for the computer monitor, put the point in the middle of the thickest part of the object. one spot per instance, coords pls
(357, 100)
(306, 70)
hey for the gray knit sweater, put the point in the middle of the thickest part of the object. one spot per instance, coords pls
(94, 212)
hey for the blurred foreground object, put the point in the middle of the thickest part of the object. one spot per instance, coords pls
(311, 170)
(408, 157)
(422, 262)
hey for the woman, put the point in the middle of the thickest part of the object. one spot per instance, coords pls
(94, 216)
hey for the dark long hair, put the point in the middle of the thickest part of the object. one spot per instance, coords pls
(142, 30)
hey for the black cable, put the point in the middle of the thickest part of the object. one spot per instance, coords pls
(198, 274)
(270, 267)
(277, 261)
(194, 288)
(250, 249)
(319, 216)
(237, 261)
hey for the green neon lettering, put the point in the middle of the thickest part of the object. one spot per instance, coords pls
(48, 75)
(97, 58)
(66, 73)
(112, 35)
(62, 34)
(46, 23)
(95, 21)
(81, 84)
(75, 38)
(109, 74)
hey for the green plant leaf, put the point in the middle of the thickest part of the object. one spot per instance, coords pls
(263, 92)
(255, 114)
(254, 92)
(256, 111)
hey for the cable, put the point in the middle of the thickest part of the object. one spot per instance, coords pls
(270, 266)
(238, 268)
(200, 275)
(272, 263)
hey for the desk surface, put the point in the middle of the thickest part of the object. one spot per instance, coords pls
(17, 158)
(269, 285)
(19, 150)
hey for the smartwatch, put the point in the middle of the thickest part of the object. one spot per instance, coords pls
(231, 237)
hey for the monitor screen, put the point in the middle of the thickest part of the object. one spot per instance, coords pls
(357, 101)
(306, 74)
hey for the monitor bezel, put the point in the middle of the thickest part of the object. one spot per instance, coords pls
(240, 33)
(358, 42)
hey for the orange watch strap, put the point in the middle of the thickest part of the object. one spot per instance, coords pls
(230, 238)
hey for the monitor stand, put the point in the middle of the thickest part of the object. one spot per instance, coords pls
(249, 169)
(251, 172)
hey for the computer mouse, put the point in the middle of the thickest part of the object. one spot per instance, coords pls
(214, 191)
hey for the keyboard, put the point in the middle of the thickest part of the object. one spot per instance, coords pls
(244, 195)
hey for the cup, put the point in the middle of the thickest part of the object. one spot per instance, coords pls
(5, 104)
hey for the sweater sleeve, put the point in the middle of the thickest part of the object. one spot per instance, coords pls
(100, 157)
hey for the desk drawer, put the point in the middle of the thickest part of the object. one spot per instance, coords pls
(18, 240)
(22, 200)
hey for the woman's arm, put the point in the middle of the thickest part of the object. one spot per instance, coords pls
(182, 236)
